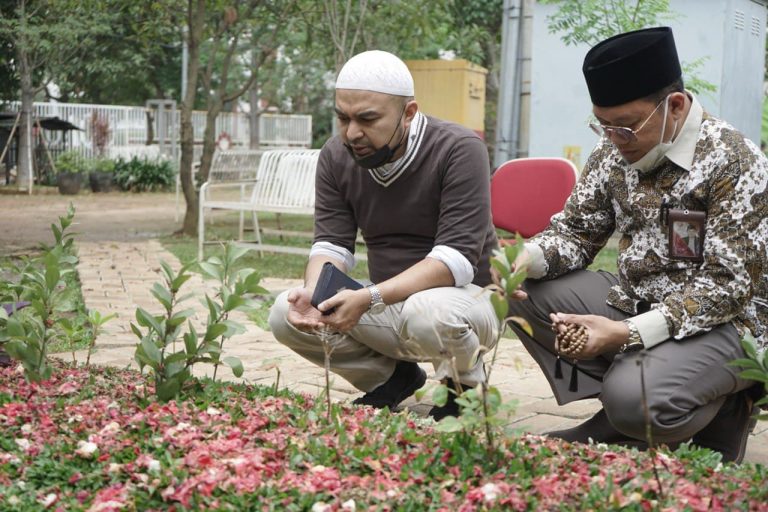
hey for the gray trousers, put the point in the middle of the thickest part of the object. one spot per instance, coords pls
(450, 327)
(686, 381)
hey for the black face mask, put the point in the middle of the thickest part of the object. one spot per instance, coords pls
(382, 155)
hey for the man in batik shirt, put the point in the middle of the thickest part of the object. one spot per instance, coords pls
(660, 333)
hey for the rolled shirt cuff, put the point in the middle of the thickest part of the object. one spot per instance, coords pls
(335, 252)
(537, 264)
(652, 327)
(460, 267)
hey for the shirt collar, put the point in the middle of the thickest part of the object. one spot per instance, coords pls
(682, 150)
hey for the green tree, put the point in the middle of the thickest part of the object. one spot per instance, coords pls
(46, 36)
(591, 21)
(216, 33)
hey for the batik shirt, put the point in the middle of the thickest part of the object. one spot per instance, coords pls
(727, 179)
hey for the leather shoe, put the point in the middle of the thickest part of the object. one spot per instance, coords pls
(451, 408)
(728, 431)
(405, 380)
(599, 429)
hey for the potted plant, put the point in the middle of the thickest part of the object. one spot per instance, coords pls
(69, 174)
(101, 175)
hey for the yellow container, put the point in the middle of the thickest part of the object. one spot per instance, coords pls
(453, 90)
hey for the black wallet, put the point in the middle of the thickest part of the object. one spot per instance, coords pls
(332, 281)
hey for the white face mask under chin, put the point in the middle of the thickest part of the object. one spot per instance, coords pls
(656, 154)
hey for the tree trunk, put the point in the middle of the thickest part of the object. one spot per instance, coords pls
(209, 139)
(253, 97)
(195, 17)
(24, 161)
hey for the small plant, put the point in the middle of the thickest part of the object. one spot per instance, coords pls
(27, 336)
(754, 367)
(482, 408)
(144, 175)
(70, 162)
(157, 349)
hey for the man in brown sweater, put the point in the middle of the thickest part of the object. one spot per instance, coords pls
(418, 189)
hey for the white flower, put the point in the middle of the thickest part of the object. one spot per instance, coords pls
(490, 492)
(213, 411)
(114, 467)
(26, 428)
(48, 500)
(13, 500)
(76, 418)
(349, 506)
(321, 507)
(110, 428)
(23, 443)
(86, 449)
(153, 466)
(635, 497)
(113, 405)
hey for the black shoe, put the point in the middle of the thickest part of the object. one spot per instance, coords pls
(451, 408)
(598, 429)
(728, 431)
(404, 382)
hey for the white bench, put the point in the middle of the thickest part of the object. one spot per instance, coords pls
(282, 182)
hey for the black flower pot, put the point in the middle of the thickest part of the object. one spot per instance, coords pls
(69, 182)
(100, 181)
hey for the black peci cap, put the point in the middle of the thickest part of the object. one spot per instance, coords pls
(630, 66)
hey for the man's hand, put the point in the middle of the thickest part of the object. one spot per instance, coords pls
(349, 307)
(301, 313)
(605, 335)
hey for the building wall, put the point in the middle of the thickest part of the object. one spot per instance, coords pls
(734, 63)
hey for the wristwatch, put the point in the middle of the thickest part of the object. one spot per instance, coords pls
(634, 342)
(377, 303)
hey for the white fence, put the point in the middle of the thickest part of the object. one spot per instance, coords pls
(130, 128)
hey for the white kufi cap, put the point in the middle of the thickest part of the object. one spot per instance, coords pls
(376, 71)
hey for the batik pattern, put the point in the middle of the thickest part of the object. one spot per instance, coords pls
(728, 181)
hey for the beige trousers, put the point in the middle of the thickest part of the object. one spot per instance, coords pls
(450, 327)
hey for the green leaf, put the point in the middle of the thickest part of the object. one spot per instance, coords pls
(514, 281)
(136, 331)
(167, 271)
(210, 270)
(500, 306)
(52, 274)
(758, 375)
(180, 317)
(235, 364)
(214, 331)
(151, 351)
(750, 346)
(440, 395)
(522, 323)
(501, 265)
(163, 295)
(449, 425)
(233, 302)
(745, 363)
(146, 319)
(190, 341)
(168, 389)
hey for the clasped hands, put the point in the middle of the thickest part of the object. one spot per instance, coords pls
(349, 306)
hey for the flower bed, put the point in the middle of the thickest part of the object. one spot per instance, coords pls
(97, 440)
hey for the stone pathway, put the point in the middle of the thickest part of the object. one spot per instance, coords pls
(117, 277)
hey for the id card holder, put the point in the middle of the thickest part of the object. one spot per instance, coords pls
(686, 234)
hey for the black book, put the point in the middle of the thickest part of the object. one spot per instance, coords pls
(332, 281)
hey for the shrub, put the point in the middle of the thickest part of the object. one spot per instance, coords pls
(144, 175)
(70, 161)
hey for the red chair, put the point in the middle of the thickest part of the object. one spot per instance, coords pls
(526, 192)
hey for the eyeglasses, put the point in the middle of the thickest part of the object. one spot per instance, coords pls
(621, 134)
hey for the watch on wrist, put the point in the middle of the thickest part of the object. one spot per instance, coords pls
(377, 303)
(634, 342)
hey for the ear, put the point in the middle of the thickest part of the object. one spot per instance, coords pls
(410, 110)
(677, 103)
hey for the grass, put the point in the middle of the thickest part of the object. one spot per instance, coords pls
(290, 266)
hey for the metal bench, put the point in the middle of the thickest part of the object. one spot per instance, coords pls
(282, 182)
